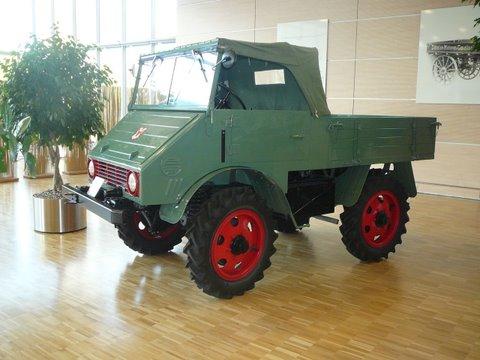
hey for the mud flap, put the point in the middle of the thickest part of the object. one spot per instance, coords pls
(349, 185)
(403, 173)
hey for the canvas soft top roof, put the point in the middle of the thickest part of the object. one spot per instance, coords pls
(301, 61)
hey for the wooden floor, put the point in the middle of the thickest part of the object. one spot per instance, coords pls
(87, 295)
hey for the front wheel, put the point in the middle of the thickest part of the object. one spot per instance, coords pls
(374, 225)
(230, 243)
(137, 235)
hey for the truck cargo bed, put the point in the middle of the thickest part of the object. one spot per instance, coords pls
(369, 139)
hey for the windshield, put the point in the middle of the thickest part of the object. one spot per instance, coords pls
(182, 81)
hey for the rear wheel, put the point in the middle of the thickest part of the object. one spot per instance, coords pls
(230, 243)
(374, 225)
(136, 234)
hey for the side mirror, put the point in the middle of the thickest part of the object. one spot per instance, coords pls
(228, 59)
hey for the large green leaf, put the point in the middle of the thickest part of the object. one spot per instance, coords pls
(22, 126)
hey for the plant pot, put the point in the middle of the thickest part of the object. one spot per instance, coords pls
(58, 215)
(11, 174)
(76, 160)
(42, 164)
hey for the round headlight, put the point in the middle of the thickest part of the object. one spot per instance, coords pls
(132, 183)
(91, 168)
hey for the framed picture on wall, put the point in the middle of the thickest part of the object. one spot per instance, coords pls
(448, 66)
(310, 33)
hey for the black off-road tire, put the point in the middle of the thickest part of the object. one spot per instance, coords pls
(214, 212)
(351, 218)
(142, 242)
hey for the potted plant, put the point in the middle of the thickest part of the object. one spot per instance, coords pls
(8, 143)
(55, 85)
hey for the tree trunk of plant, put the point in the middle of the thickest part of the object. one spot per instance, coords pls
(54, 153)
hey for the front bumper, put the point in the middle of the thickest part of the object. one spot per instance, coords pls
(101, 208)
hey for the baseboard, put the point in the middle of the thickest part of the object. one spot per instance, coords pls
(450, 191)
(43, 176)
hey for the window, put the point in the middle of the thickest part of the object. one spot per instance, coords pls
(92, 56)
(138, 20)
(43, 18)
(110, 21)
(123, 29)
(113, 59)
(182, 81)
(260, 85)
(269, 77)
(165, 18)
(15, 24)
(64, 16)
(133, 55)
(86, 12)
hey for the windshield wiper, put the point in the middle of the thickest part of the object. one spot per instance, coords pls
(200, 61)
(154, 64)
(171, 81)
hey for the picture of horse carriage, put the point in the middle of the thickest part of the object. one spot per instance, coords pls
(454, 56)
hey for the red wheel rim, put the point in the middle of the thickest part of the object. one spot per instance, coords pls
(380, 218)
(238, 244)
(141, 228)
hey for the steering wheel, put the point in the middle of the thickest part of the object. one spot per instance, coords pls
(222, 101)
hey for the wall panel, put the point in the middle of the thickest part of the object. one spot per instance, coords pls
(266, 35)
(454, 165)
(244, 35)
(388, 38)
(463, 192)
(272, 12)
(340, 79)
(340, 106)
(341, 40)
(391, 79)
(460, 123)
(383, 8)
(215, 16)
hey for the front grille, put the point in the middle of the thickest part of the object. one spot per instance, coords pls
(112, 174)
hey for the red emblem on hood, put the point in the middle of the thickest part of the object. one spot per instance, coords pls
(139, 133)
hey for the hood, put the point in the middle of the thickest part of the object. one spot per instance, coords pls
(139, 135)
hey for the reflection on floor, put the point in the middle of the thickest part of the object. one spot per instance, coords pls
(87, 294)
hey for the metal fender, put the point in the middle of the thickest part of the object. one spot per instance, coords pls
(403, 173)
(263, 185)
(349, 185)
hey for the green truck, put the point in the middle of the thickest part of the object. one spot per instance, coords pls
(226, 142)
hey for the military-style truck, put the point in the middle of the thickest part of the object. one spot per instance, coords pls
(226, 142)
